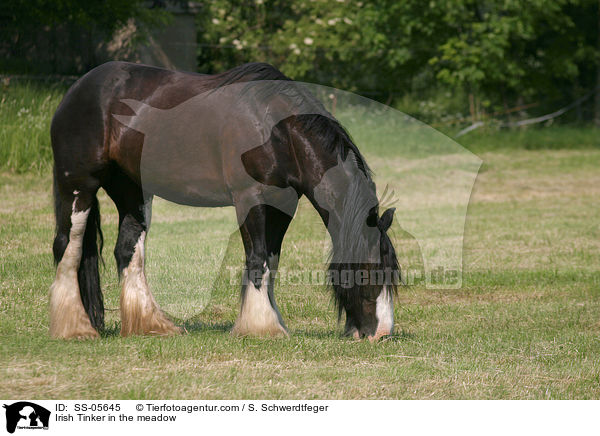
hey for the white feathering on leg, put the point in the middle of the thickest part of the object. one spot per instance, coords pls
(257, 316)
(140, 313)
(68, 318)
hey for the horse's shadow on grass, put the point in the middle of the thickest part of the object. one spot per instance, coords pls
(195, 326)
(114, 330)
(401, 336)
(111, 331)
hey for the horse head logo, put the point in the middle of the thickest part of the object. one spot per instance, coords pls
(24, 414)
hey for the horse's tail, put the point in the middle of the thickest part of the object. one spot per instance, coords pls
(88, 275)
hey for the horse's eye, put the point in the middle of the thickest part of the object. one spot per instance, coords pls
(372, 220)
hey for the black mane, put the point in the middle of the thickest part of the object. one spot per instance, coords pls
(360, 210)
(250, 72)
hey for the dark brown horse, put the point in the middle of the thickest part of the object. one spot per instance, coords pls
(248, 137)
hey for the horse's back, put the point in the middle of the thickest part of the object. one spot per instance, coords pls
(192, 146)
(85, 135)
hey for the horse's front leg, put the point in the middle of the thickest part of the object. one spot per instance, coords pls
(140, 313)
(262, 233)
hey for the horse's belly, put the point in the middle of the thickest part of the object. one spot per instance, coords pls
(189, 191)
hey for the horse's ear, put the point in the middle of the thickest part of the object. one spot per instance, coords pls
(386, 219)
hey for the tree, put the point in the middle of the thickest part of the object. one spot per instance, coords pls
(360, 46)
(511, 49)
(34, 34)
(501, 52)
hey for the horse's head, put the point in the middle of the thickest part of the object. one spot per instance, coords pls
(364, 270)
(365, 290)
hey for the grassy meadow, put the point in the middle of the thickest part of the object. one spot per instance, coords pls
(524, 325)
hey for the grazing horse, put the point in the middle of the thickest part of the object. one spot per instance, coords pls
(249, 137)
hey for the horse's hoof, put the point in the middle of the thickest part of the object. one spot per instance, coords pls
(272, 331)
(156, 325)
(80, 334)
(166, 330)
(90, 335)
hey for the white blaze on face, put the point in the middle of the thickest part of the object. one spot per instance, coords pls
(384, 310)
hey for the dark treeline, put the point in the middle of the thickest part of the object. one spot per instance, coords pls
(473, 59)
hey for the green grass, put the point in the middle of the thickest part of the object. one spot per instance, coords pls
(524, 325)
(557, 137)
(26, 110)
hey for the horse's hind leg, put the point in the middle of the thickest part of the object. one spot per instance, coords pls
(140, 313)
(262, 234)
(68, 317)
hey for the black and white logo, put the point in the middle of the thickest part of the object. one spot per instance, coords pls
(26, 415)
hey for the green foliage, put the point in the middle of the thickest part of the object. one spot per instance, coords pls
(502, 52)
(26, 110)
(489, 56)
(354, 45)
(511, 48)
